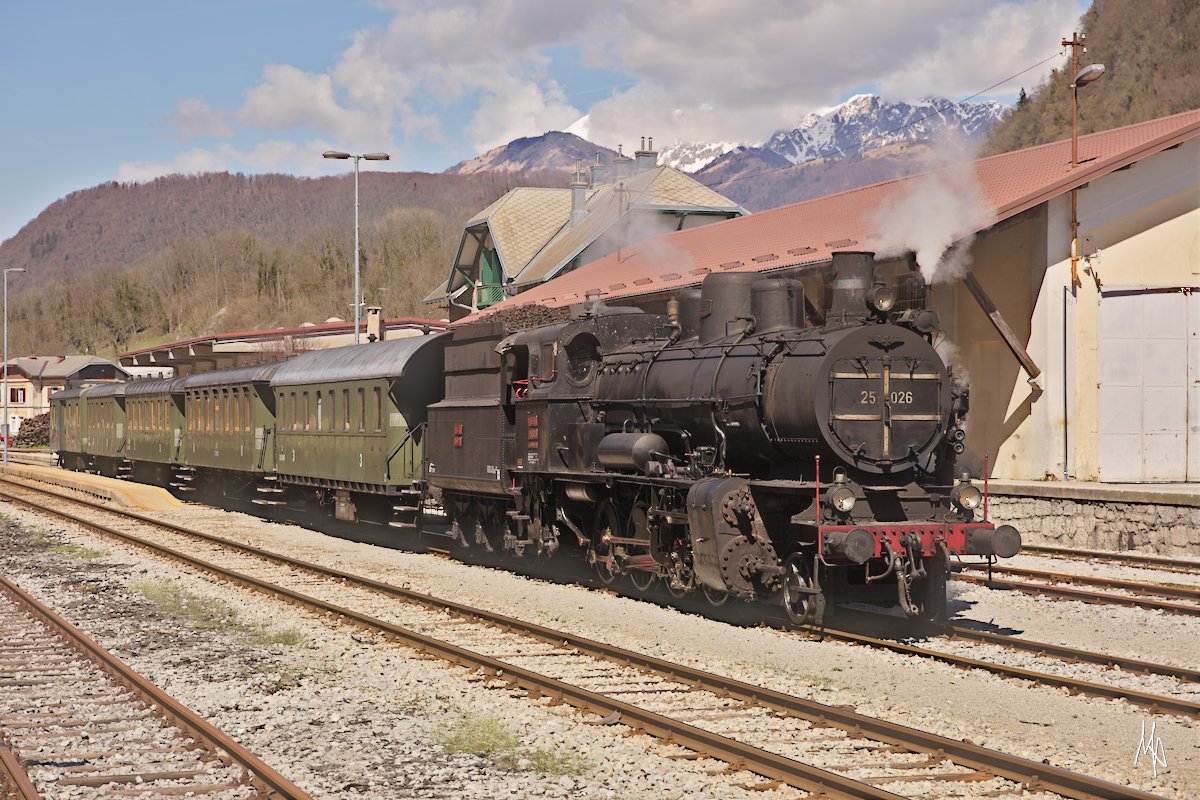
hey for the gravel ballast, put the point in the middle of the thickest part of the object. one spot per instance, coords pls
(1094, 736)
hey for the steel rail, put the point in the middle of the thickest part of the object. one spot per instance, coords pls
(1069, 654)
(1132, 559)
(1103, 598)
(17, 779)
(1073, 654)
(754, 759)
(1033, 774)
(1156, 703)
(263, 776)
(1138, 587)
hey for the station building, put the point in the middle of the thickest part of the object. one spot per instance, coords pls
(1074, 312)
(32, 379)
(532, 235)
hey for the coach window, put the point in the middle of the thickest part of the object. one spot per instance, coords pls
(246, 410)
(331, 408)
(235, 410)
(320, 412)
(346, 409)
(362, 410)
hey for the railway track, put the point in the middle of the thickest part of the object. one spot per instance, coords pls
(1051, 584)
(1112, 557)
(813, 747)
(78, 722)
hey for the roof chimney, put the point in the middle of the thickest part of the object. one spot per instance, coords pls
(578, 197)
(597, 172)
(647, 157)
(374, 323)
(622, 165)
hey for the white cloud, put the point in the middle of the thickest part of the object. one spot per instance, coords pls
(295, 158)
(195, 119)
(716, 70)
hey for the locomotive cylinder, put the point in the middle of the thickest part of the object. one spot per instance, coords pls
(630, 450)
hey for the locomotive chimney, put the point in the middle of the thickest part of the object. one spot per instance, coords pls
(853, 273)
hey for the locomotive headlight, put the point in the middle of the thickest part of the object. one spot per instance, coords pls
(881, 298)
(966, 496)
(841, 499)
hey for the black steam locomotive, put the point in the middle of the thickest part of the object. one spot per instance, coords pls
(751, 442)
(729, 446)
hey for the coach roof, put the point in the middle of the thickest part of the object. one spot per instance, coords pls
(258, 373)
(385, 359)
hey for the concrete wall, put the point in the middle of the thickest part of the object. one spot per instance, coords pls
(1138, 227)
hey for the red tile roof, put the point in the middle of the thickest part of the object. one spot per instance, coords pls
(810, 231)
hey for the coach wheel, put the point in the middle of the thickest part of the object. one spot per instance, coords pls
(801, 596)
(715, 597)
(607, 523)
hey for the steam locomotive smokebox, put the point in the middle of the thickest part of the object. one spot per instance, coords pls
(776, 303)
(725, 297)
(630, 450)
(853, 274)
(689, 314)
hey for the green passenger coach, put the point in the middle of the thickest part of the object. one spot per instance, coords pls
(350, 422)
(154, 426)
(230, 420)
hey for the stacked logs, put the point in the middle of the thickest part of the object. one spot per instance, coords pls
(34, 432)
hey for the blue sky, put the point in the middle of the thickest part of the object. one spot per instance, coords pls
(129, 90)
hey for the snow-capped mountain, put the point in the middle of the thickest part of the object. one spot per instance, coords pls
(694, 156)
(863, 122)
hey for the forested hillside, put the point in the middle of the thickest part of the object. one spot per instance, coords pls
(1152, 69)
(118, 266)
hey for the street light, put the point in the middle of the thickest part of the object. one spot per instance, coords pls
(337, 154)
(10, 269)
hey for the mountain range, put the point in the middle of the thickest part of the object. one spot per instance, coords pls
(862, 140)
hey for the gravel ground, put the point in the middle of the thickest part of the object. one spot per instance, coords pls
(342, 713)
(1086, 734)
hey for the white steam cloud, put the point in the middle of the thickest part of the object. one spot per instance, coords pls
(936, 216)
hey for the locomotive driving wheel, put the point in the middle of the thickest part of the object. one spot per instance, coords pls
(802, 598)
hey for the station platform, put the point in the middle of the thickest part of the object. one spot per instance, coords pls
(126, 494)
(1166, 494)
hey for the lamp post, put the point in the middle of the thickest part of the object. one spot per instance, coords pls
(369, 157)
(1082, 78)
(10, 269)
